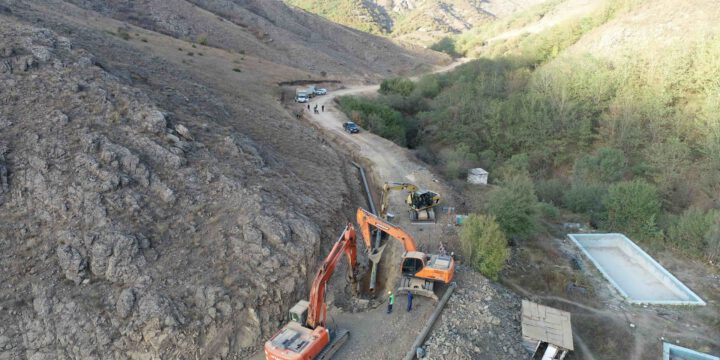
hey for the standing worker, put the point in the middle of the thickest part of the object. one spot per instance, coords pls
(409, 306)
(308, 107)
(323, 108)
(391, 301)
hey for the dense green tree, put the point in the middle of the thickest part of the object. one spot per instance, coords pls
(633, 207)
(607, 165)
(515, 207)
(484, 244)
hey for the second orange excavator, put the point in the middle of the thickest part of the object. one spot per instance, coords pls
(306, 336)
(420, 271)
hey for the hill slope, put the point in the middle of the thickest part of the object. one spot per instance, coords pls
(158, 201)
(413, 21)
(608, 119)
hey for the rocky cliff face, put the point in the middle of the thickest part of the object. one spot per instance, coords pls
(134, 231)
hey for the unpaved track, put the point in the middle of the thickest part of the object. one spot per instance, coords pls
(390, 162)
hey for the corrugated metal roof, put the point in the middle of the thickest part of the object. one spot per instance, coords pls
(542, 323)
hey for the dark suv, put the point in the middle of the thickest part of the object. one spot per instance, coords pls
(351, 127)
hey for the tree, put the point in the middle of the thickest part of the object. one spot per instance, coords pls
(691, 230)
(516, 166)
(606, 166)
(633, 207)
(484, 244)
(515, 206)
(400, 86)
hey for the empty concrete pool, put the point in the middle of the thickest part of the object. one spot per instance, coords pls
(674, 352)
(633, 272)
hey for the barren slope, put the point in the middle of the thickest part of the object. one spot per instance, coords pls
(158, 201)
(272, 31)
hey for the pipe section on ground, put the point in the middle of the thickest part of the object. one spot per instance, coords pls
(430, 322)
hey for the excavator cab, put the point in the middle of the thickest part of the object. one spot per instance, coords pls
(421, 200)
(412, 265)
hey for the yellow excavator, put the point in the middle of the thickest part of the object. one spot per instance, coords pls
(421, 202)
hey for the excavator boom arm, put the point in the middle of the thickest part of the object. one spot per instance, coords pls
(345, 245)
(386, 194)
(366, 218)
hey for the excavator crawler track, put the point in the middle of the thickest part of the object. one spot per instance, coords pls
(338, 340)
(416, 286)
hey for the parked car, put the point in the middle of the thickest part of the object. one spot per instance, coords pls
(301, 99)
(321, 91)
(351, 127)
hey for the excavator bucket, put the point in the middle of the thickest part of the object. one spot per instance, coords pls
(376, 254)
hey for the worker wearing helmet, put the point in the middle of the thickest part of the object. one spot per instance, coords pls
(391, 301)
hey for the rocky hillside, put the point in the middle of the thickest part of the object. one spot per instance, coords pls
(157, 200)
(413, 21)
(269, 30)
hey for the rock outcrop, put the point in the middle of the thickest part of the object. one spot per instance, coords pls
(128, 232)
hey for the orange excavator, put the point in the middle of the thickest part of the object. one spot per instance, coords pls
(420, 271)
(306, 337)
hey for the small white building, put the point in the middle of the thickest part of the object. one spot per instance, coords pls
(477, 176)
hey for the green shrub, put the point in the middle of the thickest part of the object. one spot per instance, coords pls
(668, 162)
(548, 211)
(633, 207)
(202, 39)
(516, 166)
(691, 230)
(515, 207)
(123, 33)
(428, 87)
(398, 85)
(484, 244)
(550, 191)
(457, 161)
(712, 242)
(446, 45)
(586, 199)
(606, 166)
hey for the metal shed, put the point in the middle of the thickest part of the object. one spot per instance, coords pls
(477, 176)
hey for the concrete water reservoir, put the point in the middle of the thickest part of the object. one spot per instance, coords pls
(635, 274)
(674, 352)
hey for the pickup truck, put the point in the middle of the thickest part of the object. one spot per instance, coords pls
(321, 91)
